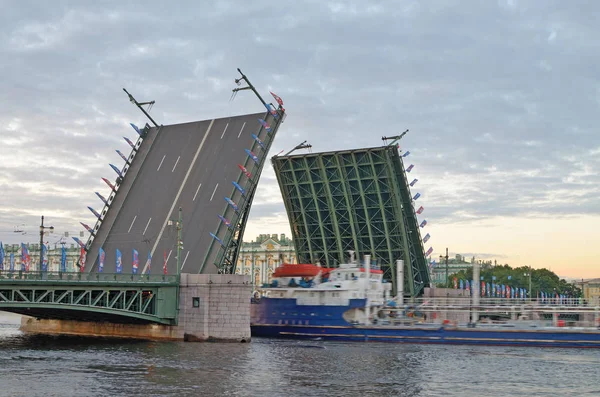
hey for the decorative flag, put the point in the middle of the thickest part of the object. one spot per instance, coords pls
(44, 258)
(265, 125)
(410, 167)
(78, 241)
(244, 170)
(12, 262)
(262, 145)
(406, 154)
(429, 251)
(148, 262)
(488, 289)
(135, 262)
(63, 259)
(101, 197)
(25, 258)
(101, 258)
(89, 229)
(239, 188)
(423, 223)
(165, 262)
(417, 196)
(218, 239)
(232, 204)
(94, 212)
(225, 221)
(455, 281)
(135, 127)
(467, 285)
(483, 288)
(122, 156)
(118, 171)
(278, 99)
(413, 182)
(82, 257)
(119, 262)
(110, 185)
(271, 110)
(420, 210)
(2, 255)
(426, 238)
(129, 142)
(462, 285)
(252, 155)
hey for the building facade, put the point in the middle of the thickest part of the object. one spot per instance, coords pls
(54, 256)
(259, 258)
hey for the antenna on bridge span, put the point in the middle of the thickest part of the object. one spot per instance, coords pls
(302, 145)
(248, 87)
(140, 104)
(395, 138)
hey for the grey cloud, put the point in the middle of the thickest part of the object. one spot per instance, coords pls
(497, 96)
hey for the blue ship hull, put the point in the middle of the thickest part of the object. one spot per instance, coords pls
(282, 318)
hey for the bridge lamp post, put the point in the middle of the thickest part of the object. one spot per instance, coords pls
(42, 228)
(528, 274)
(179, 226)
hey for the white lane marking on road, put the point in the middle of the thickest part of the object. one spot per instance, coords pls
(168, 256)
(161, 161)
(213, 195)
(132, 222)
(223, 134)
(243, 125)
(180, 190)
(147, 226)
(178, 157)
(194, 199)
(183, 264)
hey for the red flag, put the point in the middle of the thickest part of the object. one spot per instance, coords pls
(278, 99)
(165, 263)
(82, 258)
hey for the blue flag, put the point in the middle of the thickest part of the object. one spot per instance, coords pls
(101, 258)
(462, 286)
(135, 261)
(2, 254)
(44, 258)
(119, 262)
(63, 259)
(12, 262)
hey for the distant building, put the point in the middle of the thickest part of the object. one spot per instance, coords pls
(54, 256)
(263, 255)
(438, 273)
(590, 289)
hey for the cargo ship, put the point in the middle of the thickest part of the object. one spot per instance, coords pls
(353, 303)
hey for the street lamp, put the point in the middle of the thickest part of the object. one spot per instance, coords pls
(42, 228)
(529, 275)
(441, 258)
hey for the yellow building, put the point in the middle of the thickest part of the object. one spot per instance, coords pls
(591, 290)
(263, 255)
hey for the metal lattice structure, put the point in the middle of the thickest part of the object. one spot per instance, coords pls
(353, 200)
(117, 298)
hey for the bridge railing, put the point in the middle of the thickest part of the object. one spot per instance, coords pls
(11, 277)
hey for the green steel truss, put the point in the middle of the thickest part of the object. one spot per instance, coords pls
(106, 297)
(356, 200)
(226, 258)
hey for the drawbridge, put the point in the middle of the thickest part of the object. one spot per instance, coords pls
(353, 200)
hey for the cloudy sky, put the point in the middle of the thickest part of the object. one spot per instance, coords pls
(502, 100)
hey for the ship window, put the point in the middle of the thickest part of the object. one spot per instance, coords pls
(196, 301)
(283, 313)
(312, 314)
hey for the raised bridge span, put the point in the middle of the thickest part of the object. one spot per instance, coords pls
(209, 170)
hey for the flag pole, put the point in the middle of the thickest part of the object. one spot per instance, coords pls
(249, 87)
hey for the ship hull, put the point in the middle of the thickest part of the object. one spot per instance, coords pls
(433, 335)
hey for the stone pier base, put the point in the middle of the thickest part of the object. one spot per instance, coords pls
(212, 307)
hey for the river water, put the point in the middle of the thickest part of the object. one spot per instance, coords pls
(76, 366)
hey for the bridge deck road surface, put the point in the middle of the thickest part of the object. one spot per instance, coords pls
(189, 165)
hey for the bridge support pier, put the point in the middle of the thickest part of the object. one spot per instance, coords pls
(211, 307)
